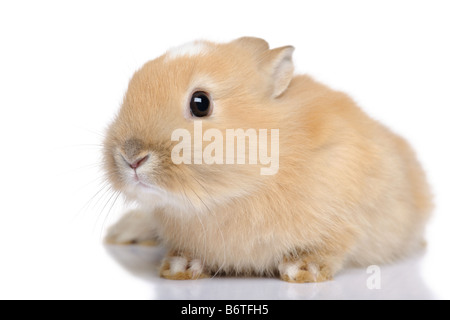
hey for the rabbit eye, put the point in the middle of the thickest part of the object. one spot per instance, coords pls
(200, 104)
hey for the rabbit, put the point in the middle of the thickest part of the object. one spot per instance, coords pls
(347, 191)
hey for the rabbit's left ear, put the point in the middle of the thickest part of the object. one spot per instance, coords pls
(278, 66)
(256, 45)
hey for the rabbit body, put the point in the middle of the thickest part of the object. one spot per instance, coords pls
(347, 190)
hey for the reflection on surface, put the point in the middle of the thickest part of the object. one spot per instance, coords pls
(402, 280)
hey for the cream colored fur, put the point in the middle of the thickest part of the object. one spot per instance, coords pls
(348, 190)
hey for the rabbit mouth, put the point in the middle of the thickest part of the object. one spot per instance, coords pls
(147, 186)
(142, 185)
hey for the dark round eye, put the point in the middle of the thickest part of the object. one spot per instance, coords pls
(200, 104)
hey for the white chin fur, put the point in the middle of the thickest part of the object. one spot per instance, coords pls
(144, 195)
(158, 197)
(153, 197)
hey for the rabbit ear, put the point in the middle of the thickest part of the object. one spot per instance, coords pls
(278, 65)
(257, 45)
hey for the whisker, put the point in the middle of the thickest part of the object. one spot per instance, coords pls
(108, 214)
(87, 205)
(84, 145)
(101, 134)
(104, 206)
(96, 179)
(78, 169)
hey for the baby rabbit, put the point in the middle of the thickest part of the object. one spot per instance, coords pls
(341, 189)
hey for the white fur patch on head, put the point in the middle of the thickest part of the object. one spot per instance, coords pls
(190, 49)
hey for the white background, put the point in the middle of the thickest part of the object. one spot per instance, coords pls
(64, 67)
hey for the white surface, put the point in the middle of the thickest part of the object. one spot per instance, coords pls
(64, 68)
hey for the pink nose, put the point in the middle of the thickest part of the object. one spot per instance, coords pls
(137, 163)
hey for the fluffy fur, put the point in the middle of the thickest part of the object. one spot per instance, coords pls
(348, 190)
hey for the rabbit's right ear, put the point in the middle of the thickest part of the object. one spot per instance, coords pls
(275, 64)
(278, 66)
